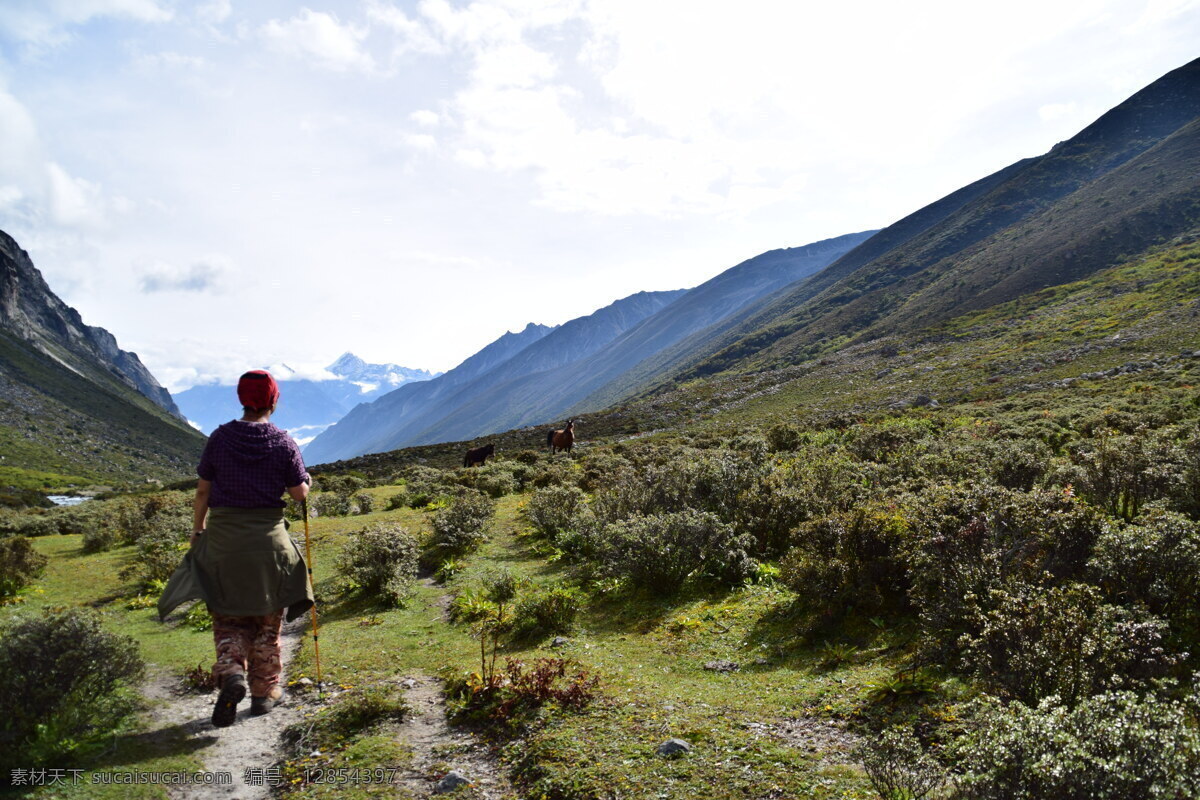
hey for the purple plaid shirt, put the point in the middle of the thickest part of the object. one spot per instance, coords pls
(250, 465)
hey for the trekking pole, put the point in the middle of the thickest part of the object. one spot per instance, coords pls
(313, 586)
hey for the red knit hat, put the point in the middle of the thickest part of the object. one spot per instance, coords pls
(257, 389)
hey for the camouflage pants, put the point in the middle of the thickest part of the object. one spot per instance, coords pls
(248, 646)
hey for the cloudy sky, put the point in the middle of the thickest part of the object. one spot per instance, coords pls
(230, 184)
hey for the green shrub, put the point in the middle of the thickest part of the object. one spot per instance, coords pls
(462, 525)
(1155, 563)
(1064, 641)
(495, 480)
(103, 534)
(552, 473)
(659, 552)
(898, 767)
(1187, 488)
(1019, 464)
(688, 480)
(160, 547)
(397, 501)
(1112, 746)
(554, 510)
(600, 470)
(965, 542)
(546, 611)
(28, 525)
(64, 685)
(363, 503)
(19, 564)
(1123, 473)
(329, 504)
(380, 560)
(784, 437)
(849, 559)
(341, 484)
(878, 441)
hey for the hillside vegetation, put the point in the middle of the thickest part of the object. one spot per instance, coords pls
(959, 557)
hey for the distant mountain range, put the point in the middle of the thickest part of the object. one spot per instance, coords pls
(577, 365)
(306, 406)
(374, 427)
(72, 402)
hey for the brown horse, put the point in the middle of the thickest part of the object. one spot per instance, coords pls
(561, 440)
(479, 455)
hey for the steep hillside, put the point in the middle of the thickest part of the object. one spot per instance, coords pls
(72, 403)
(441, 406)
(1124, 183)
(31, 312)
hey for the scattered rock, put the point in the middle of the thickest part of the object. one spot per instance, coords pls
(673, 747)
(721, 665)
(452, 781)
(305, 682)
(409, 683)
(560, 641)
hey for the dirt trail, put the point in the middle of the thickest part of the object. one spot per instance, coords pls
(438, 749)
(251, 742)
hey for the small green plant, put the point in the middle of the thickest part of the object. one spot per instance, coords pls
(904, 685)
(354, 712)
(198, 618)
(546, 611)
(835, 654)
(448, 569)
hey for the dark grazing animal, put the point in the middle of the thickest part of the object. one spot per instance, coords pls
(561, 440)
(479, 455)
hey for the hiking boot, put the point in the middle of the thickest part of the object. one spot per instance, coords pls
(263, 705)
(233, 689)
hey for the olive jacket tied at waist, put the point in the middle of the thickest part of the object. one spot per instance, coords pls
(244, 564)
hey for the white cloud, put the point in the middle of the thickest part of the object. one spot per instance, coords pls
(168, 60)
(320, 36)
(45, 22)
(206, 275)
(424, 117)
(421, 141)
(214, 12)
(412, 36)
(74, 202)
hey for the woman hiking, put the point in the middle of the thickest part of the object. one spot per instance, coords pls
(242, 562)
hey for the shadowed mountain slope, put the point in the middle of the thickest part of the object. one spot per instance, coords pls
(72, 402)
